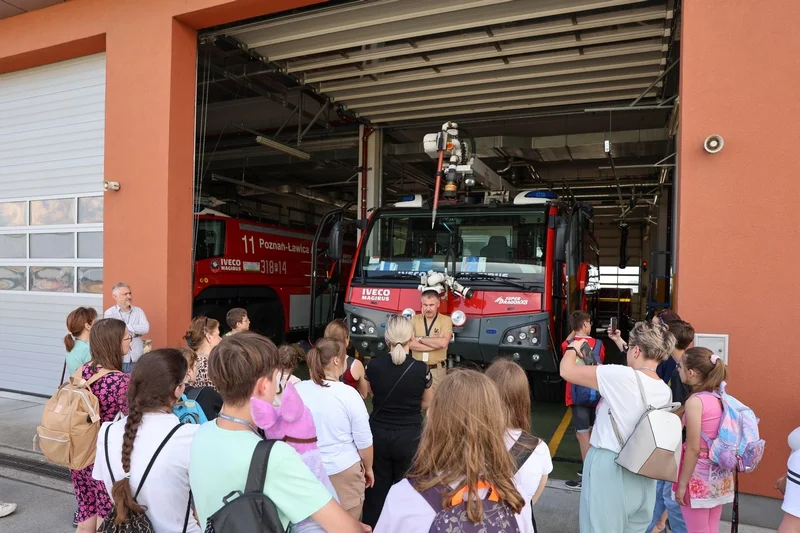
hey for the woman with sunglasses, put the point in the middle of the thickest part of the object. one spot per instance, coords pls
(201, 337)
(614, 499)
(109, 340)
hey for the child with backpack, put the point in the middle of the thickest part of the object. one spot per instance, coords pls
(142, 459)
(462, 476)
(582, 400)
(531, 454)
(240, 481)
(109, 340)
(206, 399)
(287, 361)
(293, 424)
(703, 487)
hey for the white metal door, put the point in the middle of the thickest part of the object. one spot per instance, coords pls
(52, 124)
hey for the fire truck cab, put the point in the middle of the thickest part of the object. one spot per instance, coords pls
(514, 269)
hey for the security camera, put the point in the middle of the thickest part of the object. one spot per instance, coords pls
(713, 144)
(110, 185)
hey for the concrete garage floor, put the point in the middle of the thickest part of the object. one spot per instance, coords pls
(46, 501)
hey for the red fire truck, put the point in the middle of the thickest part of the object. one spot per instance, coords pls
(263, 268)
(515, 267)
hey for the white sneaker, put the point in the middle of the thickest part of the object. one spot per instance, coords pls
(7, 508)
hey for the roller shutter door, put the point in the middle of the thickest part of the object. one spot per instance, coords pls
(52, 123)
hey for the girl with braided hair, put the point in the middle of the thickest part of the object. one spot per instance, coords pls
(156, 385)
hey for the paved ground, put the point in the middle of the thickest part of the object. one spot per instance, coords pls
(46, 504)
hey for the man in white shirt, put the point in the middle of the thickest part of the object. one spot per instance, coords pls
(134, 319)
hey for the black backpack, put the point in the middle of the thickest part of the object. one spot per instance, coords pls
(252, 511)
(135, 522)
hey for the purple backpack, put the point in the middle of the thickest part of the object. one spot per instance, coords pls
(738, 445)
(497, 516)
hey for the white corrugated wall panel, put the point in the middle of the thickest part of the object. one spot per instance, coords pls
(52, 121)
(52, 126)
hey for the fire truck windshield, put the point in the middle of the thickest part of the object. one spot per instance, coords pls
(490, 241)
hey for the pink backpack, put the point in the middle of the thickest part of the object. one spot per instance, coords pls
(292, 423)
(738, 446)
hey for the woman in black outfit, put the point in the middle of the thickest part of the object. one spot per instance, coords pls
(401, 389)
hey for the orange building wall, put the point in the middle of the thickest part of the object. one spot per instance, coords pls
(739, 217)
(151, 49)
(738, 222)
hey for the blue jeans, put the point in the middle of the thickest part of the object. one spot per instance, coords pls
(127, 367)
(664, 501)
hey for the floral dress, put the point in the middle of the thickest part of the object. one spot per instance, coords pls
(112, 394)
(709, 485)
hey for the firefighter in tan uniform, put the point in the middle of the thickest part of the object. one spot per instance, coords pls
(432, 334)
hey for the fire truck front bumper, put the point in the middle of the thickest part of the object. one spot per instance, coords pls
(525, 338)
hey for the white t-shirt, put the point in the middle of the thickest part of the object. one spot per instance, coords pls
(620, 394)
(341, 421)
(406, 510)
(166, 490)
(529, 477)
(791, 500)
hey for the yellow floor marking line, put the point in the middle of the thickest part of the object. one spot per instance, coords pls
(555, 442)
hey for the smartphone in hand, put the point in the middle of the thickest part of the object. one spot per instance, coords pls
(612, 328)
(587, 354)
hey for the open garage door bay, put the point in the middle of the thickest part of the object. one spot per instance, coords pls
(327, 106)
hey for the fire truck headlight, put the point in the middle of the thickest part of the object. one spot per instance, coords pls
(459, 318)
(361, 326)
(408, 313)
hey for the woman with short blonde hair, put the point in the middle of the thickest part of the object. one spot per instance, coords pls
(614, 499)
(401, 389)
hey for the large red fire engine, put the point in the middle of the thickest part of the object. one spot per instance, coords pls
(263, 268)
(514, 266)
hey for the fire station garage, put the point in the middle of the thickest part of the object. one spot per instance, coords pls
(240, 122)
(327, 107)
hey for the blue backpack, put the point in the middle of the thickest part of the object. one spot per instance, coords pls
(188, 410)
(584, 395)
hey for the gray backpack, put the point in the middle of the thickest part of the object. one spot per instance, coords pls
(251, 511)
(497, 516)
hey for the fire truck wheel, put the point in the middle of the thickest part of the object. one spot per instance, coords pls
(267, 318)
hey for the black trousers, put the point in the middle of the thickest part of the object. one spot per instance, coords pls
(393, 451)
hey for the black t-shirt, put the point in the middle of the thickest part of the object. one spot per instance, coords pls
(666, 368)
(209, 399)
(680, 391)
(403, 407)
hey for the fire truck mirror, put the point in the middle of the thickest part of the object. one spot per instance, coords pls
(623, 245)
(561, 239)
(336, 241)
